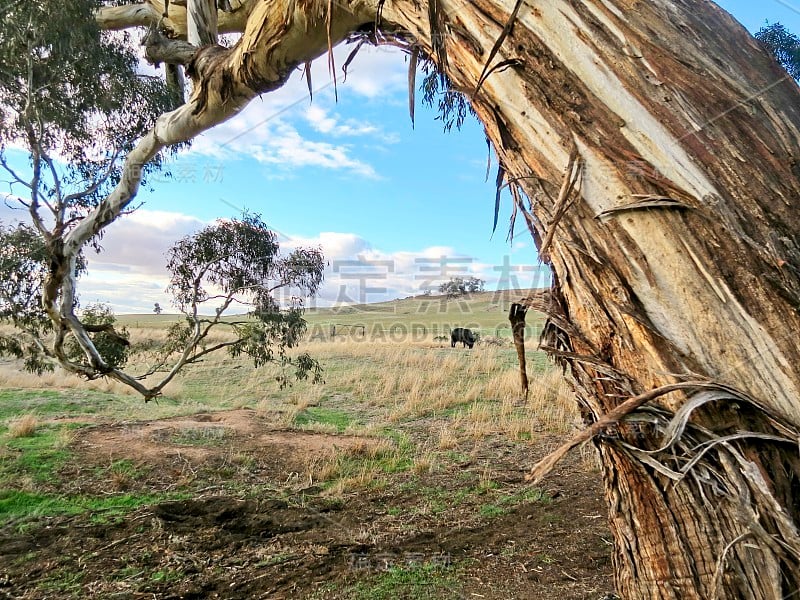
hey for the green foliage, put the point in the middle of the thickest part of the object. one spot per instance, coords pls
(70, 90)
(437, 90)
(24, 265)
(72, 97)
(237, 263)
(784, 46)
(112, 345)
(458, 286)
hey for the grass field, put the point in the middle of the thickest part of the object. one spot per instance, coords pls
(413, 435)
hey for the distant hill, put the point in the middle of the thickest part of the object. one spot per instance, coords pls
(483, 312)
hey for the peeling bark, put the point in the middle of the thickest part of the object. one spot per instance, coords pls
(674, 248)
(201, 22)
(151, 14)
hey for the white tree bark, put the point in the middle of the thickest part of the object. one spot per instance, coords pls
(151, 14)
(201, 26)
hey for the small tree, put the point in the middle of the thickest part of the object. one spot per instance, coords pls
(458, 286)
(237, 263)
(231, 263)
(157, 308)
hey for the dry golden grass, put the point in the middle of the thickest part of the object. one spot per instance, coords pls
(23, 426)
(552, 400)
(65, 437)
(12, 377)
(448, 438)
(424, 464)
(413, 380)
(460, 396)
(590, 460)
(321, 469)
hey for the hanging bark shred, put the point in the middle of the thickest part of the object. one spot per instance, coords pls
(571, 179)
(351, 57)
(498, 43)
(516, 315)
(307, 70)
(498, 184)
(412, 78)
(331, 59)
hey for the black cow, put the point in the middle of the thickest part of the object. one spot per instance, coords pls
(459, 334)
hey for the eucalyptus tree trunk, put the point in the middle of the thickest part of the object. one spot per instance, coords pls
(657, 148)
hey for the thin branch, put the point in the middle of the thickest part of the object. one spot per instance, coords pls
(56, 183)
(17, 178)
(95, 185)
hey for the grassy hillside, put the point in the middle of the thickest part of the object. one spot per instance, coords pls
(416, 317)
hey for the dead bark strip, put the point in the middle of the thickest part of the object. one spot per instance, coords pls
(516, 315)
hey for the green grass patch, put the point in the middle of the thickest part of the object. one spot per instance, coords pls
(339, 419)
(492, 510)
(202, 436)
(386, 459)
(57, 403)
(166, 575)
(122, 466)
(504, 504)
(425, 581)
(39, 456)
(26, 506)
(65, 582)
(526, 495)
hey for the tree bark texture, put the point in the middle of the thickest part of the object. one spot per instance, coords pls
(657, 145)
(201, 24)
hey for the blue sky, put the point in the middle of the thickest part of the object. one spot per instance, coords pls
(351, 176)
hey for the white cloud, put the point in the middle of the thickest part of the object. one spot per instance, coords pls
(266, 129)
(289, 149)
(321, 121)
(359, 272)
(130, 272)
(278, 143)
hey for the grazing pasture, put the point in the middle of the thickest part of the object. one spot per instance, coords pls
(402, 476)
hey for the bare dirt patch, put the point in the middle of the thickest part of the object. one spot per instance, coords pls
(250, 524)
